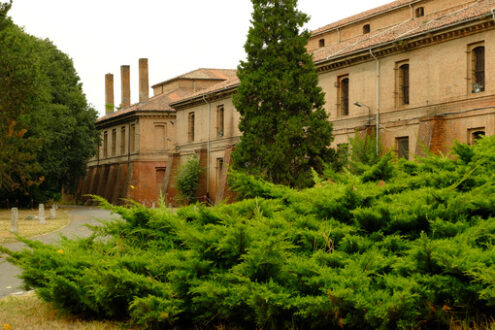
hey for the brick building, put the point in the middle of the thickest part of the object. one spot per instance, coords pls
(419, 73)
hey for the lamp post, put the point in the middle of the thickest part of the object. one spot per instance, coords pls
(359, 104)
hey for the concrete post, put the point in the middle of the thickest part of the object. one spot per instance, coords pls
(143, 80)
(53, 212)
(125, 77)
(153, 205)
(109, 101)
(14, 216)
(41, 215)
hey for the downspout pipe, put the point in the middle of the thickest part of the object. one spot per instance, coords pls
(377, 129)
(208, 149)
(493, 14)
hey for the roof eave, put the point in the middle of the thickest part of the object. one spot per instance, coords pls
(366, 49)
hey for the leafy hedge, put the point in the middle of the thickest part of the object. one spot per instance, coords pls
(413, 250)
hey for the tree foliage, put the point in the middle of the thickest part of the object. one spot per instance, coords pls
(414, 251)
(48, 130)
(285, 130)
(188, 179)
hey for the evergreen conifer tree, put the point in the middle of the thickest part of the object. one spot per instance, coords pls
(285, 129)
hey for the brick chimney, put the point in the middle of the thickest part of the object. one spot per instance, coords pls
(125, 86)
(109, 104)
(143, 80)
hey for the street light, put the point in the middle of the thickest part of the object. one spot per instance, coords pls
(359, 104)
(377, 138)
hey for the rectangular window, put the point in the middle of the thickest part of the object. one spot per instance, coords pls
(219, 167)
(160, 138)
(474, 134)
(476, 53)
(402, 147)
(402, 82)
(132, 137)
(190, 127)
(114, 141)
(122, 140)
(105, 144)
(220, 119)
(343, 95)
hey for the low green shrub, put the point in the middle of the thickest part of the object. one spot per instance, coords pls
(405, 244)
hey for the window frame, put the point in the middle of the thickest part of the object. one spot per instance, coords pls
(402, 83)
(220, 128)
(399, 147)
(343, 84)
(419, 12)
(114, 142)
(190, 126)
(366, 28)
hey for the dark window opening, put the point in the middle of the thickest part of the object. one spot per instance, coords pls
(478, 68)
(402, 146)
(122, 140)
(344, 96)
(366, 29)
(220, 120)
(404, 84)
(105, 144)
(476, 134)
(114, 141)
(133, 138)
(190, 128)
(420, 12)
(321, 43)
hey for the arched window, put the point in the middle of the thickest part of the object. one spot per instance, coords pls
(366, 29)
(420, 11)
(478, 69)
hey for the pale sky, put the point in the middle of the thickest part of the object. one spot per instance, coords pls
(175, 36)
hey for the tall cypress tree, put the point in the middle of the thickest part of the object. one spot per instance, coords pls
(285, 129)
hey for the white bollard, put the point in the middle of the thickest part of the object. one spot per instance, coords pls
(14, 216)
(41, 215)
(153, 205)
(53, 212)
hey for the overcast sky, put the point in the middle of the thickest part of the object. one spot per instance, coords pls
(176, 36)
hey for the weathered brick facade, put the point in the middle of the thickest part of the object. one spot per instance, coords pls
(422, 71)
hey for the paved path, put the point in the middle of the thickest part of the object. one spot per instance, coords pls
(80, 216)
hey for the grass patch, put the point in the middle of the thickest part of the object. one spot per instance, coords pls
(29, 312)
(30, 228)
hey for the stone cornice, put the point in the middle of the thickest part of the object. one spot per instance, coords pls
(209, 97)
(132, 116)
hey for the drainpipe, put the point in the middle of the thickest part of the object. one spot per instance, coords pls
(208, 149)
(412, 11)
(377, 129)
(493, 14)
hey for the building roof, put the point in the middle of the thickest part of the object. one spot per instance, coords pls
(365, 15)
(161, 102)
(409, 28)
(203, 74)
(224, 85)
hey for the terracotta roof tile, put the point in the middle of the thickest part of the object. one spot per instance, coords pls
(406, 29)
(365, 15)
(159, 102)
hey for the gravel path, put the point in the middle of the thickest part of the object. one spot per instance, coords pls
(80, 216)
